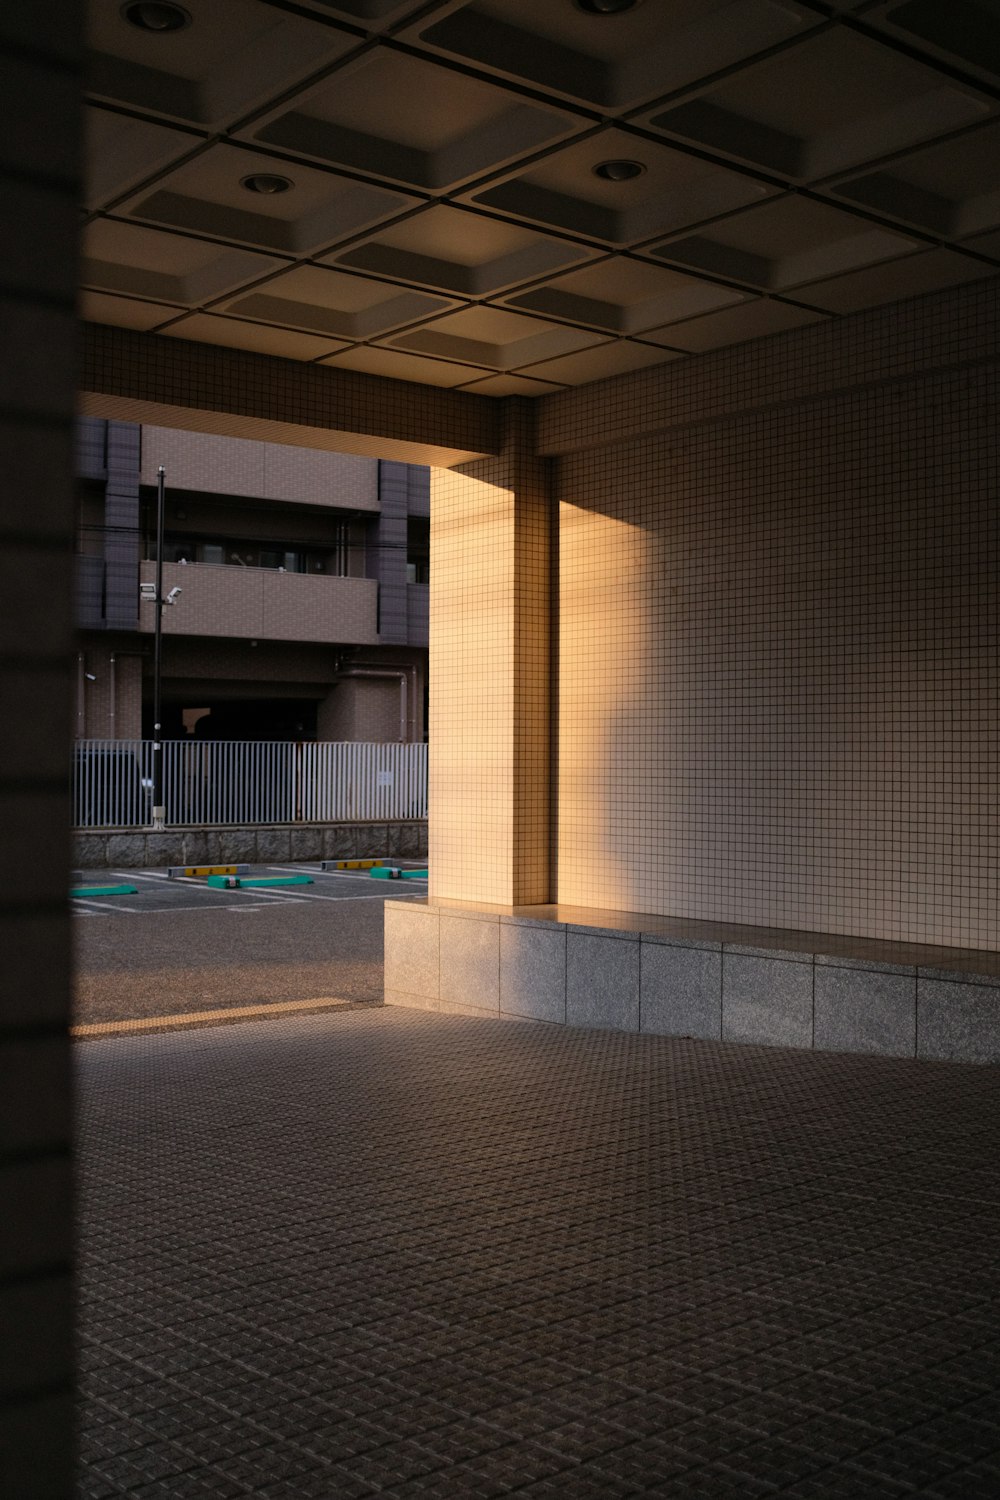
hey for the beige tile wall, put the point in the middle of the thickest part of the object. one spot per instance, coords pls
(489, 713)
(779, 683)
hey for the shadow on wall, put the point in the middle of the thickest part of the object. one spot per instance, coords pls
(777, 697)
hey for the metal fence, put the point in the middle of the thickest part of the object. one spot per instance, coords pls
(245, 782)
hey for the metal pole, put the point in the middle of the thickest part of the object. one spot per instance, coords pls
(159, 811)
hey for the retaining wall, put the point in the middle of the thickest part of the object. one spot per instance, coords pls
(675, 977)
(139, 848)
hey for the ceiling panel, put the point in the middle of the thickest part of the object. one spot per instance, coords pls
(234, 55)
(511, 385)
(373, 15)
(931, 271)
(463, 253)
(208, 328)
(332, 302)
(625, 296)
(140, 262)
(396, 364)
(513, 195)
(121, 152)
(735, 325)
(962, 33)
(950, 189)
(411, 121)
(211, 196)
(494, 338)
(669, 190)
(616, 358)
(785, 244)
(817, 108)
(611, 60)
(124, 312)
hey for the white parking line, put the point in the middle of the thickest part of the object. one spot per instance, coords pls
(139, 875)
(104, 906)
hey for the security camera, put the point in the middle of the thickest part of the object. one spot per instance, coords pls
(90, 676)
(173, 596)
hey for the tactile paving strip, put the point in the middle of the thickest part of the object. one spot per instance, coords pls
(415, 1255)
(210, 1017)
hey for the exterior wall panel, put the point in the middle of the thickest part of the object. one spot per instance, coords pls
(260, 604)
(779, 690)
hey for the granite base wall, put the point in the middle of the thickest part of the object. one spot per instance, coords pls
(138, 848)
(493, 964)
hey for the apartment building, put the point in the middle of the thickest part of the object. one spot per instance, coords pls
(301, 582)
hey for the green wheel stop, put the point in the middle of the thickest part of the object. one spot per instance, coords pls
(79, 891)
(240, 883)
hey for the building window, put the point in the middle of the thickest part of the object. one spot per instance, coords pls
(418, 549)
(239, 554)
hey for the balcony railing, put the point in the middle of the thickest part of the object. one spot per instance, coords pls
(243, 782)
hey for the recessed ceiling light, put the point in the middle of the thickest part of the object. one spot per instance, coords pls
(266, 183)
(156, 15)
(619, 171)
(605, 7)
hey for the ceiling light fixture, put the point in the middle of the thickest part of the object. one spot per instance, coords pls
(605, 7)
(156, 15)
(266, 183)
(619, 171)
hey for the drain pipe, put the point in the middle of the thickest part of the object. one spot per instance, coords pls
(112, 700)
(81, 702)
(361, 669)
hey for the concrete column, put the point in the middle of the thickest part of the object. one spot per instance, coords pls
(490, 673)
(40, 59)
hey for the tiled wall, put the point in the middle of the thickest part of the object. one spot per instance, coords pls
(264, 604)
(136, 377)
(39, 134)
(489, 717)
(779, 683)
(269, 471)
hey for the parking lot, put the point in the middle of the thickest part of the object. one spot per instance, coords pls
(158, 892)
(178, 945)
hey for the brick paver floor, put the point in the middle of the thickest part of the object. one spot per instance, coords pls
(393, 1253)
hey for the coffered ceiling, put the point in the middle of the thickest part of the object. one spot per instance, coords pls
(512, 196)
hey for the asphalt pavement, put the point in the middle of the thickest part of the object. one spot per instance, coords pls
(178, 945)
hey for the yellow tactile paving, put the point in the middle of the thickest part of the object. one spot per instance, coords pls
(193, 1017)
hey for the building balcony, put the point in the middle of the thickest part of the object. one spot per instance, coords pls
(264, 604)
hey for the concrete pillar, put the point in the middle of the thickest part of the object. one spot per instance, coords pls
(41, 63)
(490, 673)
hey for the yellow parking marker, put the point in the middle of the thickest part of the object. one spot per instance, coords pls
(201, 1017)
(174, 870)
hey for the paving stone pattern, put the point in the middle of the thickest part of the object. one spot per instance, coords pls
(408, 1254)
